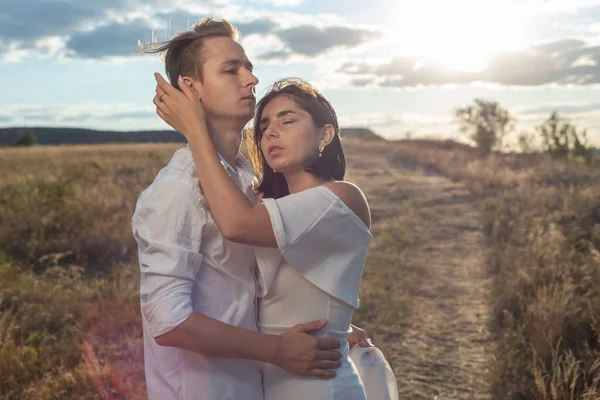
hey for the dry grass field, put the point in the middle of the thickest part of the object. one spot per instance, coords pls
(482, 282)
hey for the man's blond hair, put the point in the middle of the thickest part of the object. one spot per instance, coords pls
(184, 52)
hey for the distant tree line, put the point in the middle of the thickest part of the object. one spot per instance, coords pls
(55, 136)
(487, 123)
(58, 136)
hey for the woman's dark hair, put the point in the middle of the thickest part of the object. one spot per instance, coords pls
(331, 164)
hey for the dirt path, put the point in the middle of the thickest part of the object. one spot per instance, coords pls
(439, 346)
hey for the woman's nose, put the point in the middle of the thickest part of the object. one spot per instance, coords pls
(271, 132)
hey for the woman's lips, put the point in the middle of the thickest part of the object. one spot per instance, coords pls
(274, 150)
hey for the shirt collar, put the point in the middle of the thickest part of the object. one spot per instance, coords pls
(227, 166)
(241, 162)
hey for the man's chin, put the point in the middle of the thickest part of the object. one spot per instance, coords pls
(241, 117)
(246, 116)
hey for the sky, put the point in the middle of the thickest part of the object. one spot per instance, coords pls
(399, 67)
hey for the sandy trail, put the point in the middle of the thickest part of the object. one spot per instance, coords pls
(439, 349)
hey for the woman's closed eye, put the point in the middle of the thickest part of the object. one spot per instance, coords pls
(287, 122)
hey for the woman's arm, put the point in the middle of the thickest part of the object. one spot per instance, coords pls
(236, 217)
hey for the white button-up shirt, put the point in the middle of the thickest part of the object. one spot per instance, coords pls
(186, 266)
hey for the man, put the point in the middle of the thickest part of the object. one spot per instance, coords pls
(198, 290)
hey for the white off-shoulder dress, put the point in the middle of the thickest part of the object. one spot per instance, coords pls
(315, 273)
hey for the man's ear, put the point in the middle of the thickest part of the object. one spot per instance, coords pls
(327, 134)
(195, 85)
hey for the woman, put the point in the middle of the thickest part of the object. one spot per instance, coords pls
(311, 229)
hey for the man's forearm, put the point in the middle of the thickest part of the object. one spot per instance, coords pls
(213, 338)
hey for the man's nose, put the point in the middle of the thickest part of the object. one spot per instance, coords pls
(252, 80)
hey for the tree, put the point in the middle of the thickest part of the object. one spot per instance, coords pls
(26, 138)
(561, 138)
(486, 122)
(526, 142)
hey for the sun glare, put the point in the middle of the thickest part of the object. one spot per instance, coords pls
(460, 34)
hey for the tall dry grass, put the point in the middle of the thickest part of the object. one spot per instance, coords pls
(69, 310)
(70, 325)
(68, 274)
(542, 223)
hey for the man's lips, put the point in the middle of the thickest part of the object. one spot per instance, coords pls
(250, 98)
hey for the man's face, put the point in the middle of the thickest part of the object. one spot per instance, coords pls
(227, 90)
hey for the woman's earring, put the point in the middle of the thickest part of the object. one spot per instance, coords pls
(321, 148)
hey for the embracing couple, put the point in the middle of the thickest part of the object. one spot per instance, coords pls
(250, 274)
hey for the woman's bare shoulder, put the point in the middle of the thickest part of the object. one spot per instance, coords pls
(353, 197)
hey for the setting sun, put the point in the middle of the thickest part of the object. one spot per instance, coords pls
(459, 35)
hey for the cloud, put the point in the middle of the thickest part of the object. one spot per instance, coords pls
(27, 22)
(279, 3)
(561, 108)
(77, 114)
(11, 52)
(274, 55)
(362, 82)
(370, 120)
(83, 117)
(562, 62)
(258, 26)
(94, 30)
(110, 41)
(309, 40)
(565, 6)
(120, 39)
(400, 125)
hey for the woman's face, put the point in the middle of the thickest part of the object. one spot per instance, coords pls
(290, 139)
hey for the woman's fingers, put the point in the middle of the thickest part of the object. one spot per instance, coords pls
(164, 101)
(160, 94)
(187, 91)
(166, 86)
(161, 109)
(158, 102)
(173, 106)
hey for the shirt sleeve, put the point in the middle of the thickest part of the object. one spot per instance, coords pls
(320, 237)
(168, 226)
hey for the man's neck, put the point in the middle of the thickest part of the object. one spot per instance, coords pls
(227, 138)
